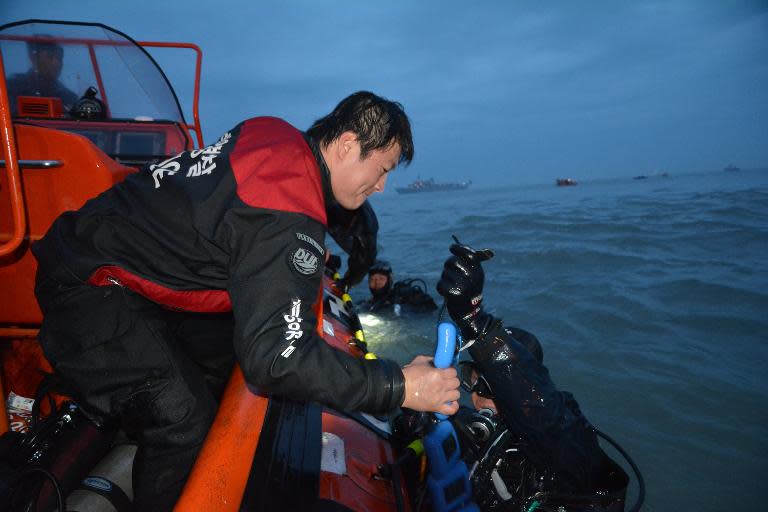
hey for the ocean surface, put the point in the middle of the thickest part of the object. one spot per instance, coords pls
(650, 298)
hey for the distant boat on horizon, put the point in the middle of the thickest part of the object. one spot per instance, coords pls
(430, 185)
(654, 174)
(731, 168)
(566, 182)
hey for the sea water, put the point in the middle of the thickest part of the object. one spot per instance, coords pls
(650, 298)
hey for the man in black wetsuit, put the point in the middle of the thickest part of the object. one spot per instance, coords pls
(42, 79)
(356, 233)
(540, 447)
(401, 297)
(216, 254)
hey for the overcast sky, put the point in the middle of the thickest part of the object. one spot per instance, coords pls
(497, 91)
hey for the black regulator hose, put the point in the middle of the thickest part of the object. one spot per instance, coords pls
(638, 474)
(543, 496)
(54, 482)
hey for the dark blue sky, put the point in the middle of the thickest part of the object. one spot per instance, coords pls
(511, 92)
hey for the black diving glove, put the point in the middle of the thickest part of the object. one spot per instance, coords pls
(461, 284)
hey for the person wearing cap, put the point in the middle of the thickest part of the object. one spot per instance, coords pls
(401, 297)
(535, 439)
(379, 281)
(46, 59)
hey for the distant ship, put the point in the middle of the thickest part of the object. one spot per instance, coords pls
(566, 182)
(731, 168)
(654, 174)
(431, 185)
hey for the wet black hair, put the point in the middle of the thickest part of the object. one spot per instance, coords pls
(377, 122)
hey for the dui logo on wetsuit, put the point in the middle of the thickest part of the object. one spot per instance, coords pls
(304, 261)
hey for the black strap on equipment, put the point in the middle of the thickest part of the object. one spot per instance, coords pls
(109, 490)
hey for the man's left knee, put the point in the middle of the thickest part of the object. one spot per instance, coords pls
(173, 415)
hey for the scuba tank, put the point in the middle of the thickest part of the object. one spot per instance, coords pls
(108, 486)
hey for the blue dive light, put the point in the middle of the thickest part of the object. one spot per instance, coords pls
(445, 350)
(448, 480)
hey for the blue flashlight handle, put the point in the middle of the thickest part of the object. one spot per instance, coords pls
(445, 350)
(446, 345)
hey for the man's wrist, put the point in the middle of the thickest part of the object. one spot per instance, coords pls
(395, 379)
(389, 384)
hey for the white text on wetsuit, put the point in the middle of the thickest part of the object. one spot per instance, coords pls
(202, 166)
(169, 166)
(293, 324)
(206, 164)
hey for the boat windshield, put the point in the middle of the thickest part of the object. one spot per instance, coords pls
(65, 59)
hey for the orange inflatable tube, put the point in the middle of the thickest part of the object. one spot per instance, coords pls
(221, 471)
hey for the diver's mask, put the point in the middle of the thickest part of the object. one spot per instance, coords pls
(472, 381)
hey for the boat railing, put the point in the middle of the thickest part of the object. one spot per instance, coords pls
(91, 43)
(195, 126)
(8, 141)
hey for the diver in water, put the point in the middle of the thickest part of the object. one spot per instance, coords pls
(42, 78)
(401, 297)
(528, 442)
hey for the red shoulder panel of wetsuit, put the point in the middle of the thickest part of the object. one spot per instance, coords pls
(275, 169)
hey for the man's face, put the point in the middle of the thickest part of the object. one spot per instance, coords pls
(377, 281)
(48, 63)
(483, 403)
(353, 179)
